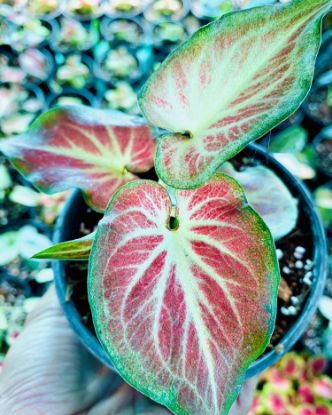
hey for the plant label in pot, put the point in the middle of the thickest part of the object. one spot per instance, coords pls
(183, 274)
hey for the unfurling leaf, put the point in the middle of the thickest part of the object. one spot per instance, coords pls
(78, 249)
(229, 84)
(269, 196)
(183, 298)
(81, 147)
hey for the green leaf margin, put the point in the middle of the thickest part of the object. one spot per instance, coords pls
(305, 83)
(170, 400)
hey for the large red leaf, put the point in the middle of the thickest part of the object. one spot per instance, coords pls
(81, 147)
(183, 305)
(229, 84)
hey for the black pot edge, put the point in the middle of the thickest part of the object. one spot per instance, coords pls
(106, 20)
(292, 336)
(86, 337)
(83, 93)
(320, 271)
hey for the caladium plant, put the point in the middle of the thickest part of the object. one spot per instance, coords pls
(94, 150)
(229, 84)
(183, 274)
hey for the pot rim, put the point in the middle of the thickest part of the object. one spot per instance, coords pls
(81, 93)
(182, 14)
(294, 333)
(106, 21)
(91, 42)
(320, 270)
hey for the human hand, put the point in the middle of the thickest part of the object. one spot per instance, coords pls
(48, 371)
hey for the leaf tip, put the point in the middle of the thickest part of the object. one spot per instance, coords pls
(41, 255)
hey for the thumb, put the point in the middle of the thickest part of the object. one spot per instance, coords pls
(47, 370)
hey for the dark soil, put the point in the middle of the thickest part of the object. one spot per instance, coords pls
(294, 251)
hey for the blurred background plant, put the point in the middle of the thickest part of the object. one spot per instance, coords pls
(99, 53)
(296, 385)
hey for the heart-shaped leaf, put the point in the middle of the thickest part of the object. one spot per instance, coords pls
(269, 196)
(183, 304)
(229, 84)
(77, 249)
(81, 147)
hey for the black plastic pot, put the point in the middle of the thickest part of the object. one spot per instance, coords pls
(103, 103)
(82, 17)
(50, 68)
(47, 16)
(8, 54)
(91, 27)
(38, 93)
(205, 13)
(60, 59)
(14, 61)
(315, 99)
(86, 96)
(109, 36)
(34, 92)
(143, 57)
(325, 135)
(52, 25)
(124, 14)
(149, 16)
(166, 45)
(69, 221)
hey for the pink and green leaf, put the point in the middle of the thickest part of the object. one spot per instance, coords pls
(77, 249)
(323, 387)
(279, 210)
(80, 147)
(183, 298)
(229, 84)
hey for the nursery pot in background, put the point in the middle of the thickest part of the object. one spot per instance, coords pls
(84, 95)
(322, 146)
(69, 222)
